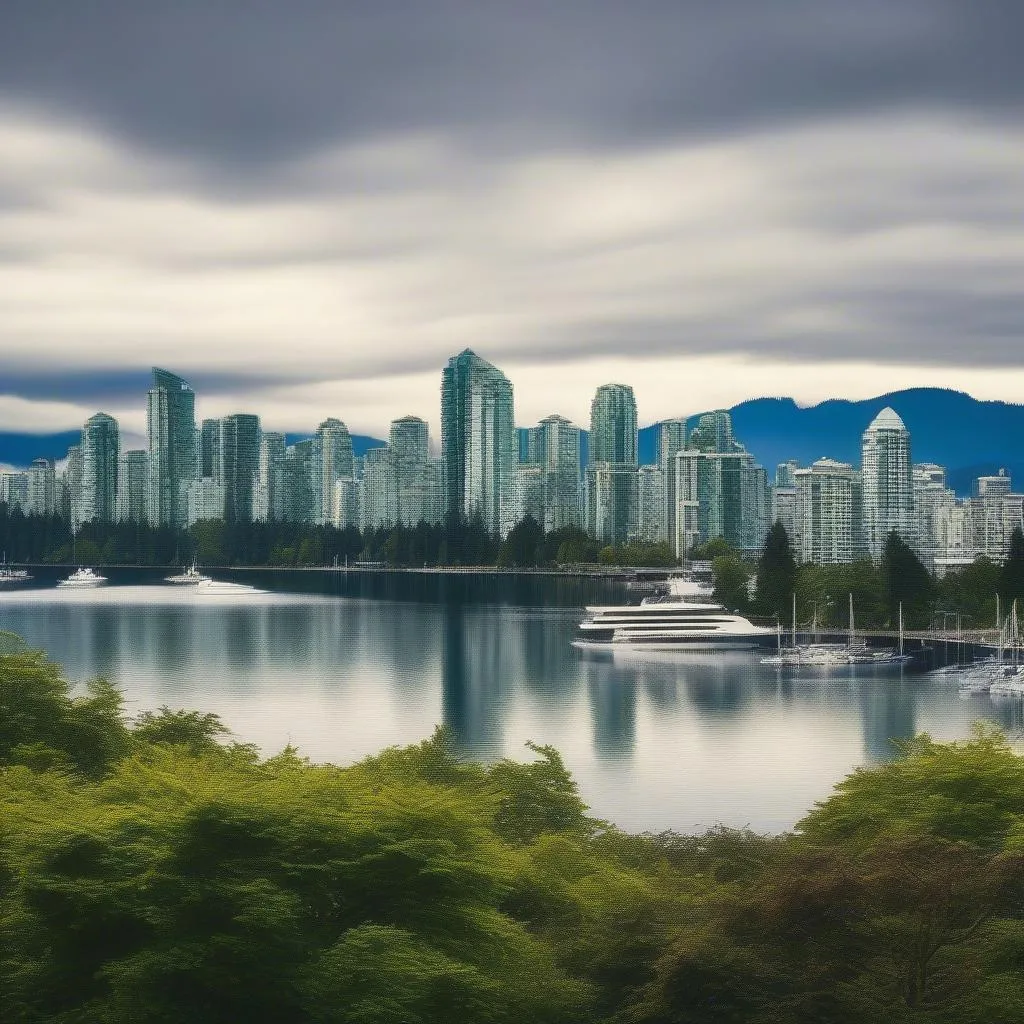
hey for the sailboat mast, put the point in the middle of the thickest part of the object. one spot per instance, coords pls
(901, 629)
(794, 618)
(851, 618)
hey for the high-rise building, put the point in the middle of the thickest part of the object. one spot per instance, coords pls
(784, 474)
(931, 497)
(268, 503)
(205, 499)
(720, 489)
(409, 443)
(173, 458)
(554, 448)
(42, 488)
(209, 447)
(828, 514)
(237, 464)
(101, 450)
(334, 455)
(132, 486)
(377, 490)
(425, 497)
(71, 487)
(612, 477)
(347, 511)
(650, 505)
(14, 490)
(613, 425)
(888, 482)
(671, 441)
(993, 514)
(988, 486)
(479, 444)
(300, 472)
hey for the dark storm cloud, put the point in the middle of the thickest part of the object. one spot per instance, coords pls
(250, 81)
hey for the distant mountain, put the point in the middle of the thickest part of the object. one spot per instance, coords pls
(361, 443)
(967, 436)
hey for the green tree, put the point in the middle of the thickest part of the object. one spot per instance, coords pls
(732, 576)
(776, 574)
(1011, 578)
(523, 545)
(907, 582)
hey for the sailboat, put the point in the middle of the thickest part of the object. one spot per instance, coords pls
(191, 575)
(1008, 680)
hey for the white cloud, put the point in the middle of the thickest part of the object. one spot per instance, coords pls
(836, 259)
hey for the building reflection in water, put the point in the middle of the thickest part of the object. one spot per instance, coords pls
(888, 713)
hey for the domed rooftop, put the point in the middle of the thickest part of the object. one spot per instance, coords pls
(887, 419)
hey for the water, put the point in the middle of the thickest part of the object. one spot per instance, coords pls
(343, 665)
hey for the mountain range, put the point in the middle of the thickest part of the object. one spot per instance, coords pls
(969, 437)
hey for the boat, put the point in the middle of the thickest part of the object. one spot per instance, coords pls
(191, 575)
(221, 588)
(83, 579)
(684, 617)
(8, 574)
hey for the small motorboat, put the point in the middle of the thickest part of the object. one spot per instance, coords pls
(83, 579)
(8, 574)
(191, 575)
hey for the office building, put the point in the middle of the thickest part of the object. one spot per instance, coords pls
(14, 491)
(888, 482)
(931, 498)
(237, 464)
(42, 488)
(554, 446)
(479, 444)
(301, 469)
(612, 475)
(377, 490)
(132, 486)
(268, 503)
(209, 447)
(409, 443)
(784, 474)
(671, 441)
(334, 461)
(101, 450)
(205, 499)
(828, 513)
(649, 525)
(173, 455)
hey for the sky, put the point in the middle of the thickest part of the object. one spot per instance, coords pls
(306, 208)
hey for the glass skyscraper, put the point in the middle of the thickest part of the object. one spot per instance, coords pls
(671, 441)
(101, 449)
(612, 477)
(554, 445)
(479, 444)
(238, 460)
(173, 459)
(409, 444)
(269, 495)
(334, 456)
(888, 482)
(132, 485)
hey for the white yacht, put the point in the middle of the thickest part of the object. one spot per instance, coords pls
(8, 574)
(82, 579)
(685, 618)
(191, 575)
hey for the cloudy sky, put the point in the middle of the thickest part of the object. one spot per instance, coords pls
(306, 207)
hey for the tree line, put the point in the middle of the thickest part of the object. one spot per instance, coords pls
(766, 586)
(157, 869)
(49, 539)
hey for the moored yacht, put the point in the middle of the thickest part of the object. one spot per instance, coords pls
(8, 574)
(191, 575)
(221, 588)
(82, 579)
(684, 618)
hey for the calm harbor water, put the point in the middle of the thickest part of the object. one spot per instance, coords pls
(344, 664)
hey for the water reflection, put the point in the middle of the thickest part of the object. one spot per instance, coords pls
(655, 741)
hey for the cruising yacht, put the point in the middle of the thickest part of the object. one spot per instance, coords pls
(82, 579)
(221, 588)
(685, 618)
(190, 576)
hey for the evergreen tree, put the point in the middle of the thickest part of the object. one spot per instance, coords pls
(776, 573)
(907, 581)
(1011, 577)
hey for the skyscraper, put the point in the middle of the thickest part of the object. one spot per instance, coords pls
(71, 487)
(300, 471)
(238, 459)
(613, 429)
(650, 505)
(132, 486)
(269, 496)
(209, 444)
(42, 488)
(671, 441)
(828, 513)
(478, 443)
(101, 449)
(554, 446)
(888, 482)
(173, 459)
(334, 455)
(409, 443)
(613, 463)
(378, 499)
